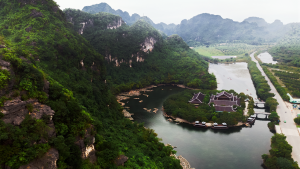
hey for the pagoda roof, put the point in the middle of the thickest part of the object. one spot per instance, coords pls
(197, 98)
(225, 94)
(224, 108)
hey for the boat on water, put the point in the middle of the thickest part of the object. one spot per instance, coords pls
(201, 125)
(251, 119)
(220, 126)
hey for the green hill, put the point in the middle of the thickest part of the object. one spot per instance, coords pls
(138, 55)
(287, 50)
(45, 64)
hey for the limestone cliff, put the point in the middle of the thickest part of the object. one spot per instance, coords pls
(115, 24)
(146, 46)
(86, 145)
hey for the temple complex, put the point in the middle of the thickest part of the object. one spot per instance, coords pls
(224, 101)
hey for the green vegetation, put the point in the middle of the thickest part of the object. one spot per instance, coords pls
(41, 47)
(4, 78)
(223, 49)
(260, 83)
(171, 60)
(297, 120)
(280, 154)
(281, 90)
(287, 50)
(291, 81)
(274, 120)
(177, 105)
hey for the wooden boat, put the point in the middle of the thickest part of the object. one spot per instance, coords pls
(222, 126)
(201, 125)
(251, 119)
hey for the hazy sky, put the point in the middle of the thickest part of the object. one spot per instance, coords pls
(173, 11)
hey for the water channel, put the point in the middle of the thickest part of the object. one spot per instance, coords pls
(240, 147)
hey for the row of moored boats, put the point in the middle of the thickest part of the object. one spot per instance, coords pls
(250, 120)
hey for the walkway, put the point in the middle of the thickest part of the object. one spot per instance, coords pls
(289, 128)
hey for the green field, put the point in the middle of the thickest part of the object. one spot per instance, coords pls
(237, 49)
(210, 51)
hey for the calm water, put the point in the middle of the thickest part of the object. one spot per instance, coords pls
(238, 148)
(266, 58)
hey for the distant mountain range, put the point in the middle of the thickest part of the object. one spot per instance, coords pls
(207, 28)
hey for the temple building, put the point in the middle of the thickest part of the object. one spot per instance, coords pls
(197, 98)
(224, 101)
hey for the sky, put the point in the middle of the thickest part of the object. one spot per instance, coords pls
(174, 11)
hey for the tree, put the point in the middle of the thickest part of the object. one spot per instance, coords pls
(274, 117)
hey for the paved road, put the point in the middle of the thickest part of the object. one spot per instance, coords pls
(289, 128)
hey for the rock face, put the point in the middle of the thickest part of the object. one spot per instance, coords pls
(148, 44)
(48, 161)
(115, 24)
(15, 110)
(121, 160)
(84, 25)
(36, 14)
(88, 149)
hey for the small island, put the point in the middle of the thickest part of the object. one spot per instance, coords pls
(209, 108)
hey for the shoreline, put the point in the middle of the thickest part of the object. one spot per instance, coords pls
(208, 125)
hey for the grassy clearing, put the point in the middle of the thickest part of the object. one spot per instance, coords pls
(227, 49)
(208, 51)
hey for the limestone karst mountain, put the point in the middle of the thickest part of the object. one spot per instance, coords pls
(207, 28)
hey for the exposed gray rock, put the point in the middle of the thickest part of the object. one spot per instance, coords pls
(2, 46)
(121, 160)
(4, 63)
(46, 86)
(28, 29)
(36, 14)
(48, 161)
(15, 111)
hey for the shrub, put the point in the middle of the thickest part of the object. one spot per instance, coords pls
(297, 120)
(29, 107)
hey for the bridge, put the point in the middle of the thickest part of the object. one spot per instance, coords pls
(261, 112)
(256, 103)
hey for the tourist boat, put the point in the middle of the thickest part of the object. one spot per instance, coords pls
(220, 126)
(251, 119)
(198, 124)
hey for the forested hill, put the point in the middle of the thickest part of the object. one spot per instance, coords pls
(138, 55)
(287, 50)
(205, 29)
(56, 108)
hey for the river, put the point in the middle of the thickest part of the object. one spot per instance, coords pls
(235, 148)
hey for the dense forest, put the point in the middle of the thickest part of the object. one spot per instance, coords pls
(177, 105)
(42, 48)
(129, 66)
